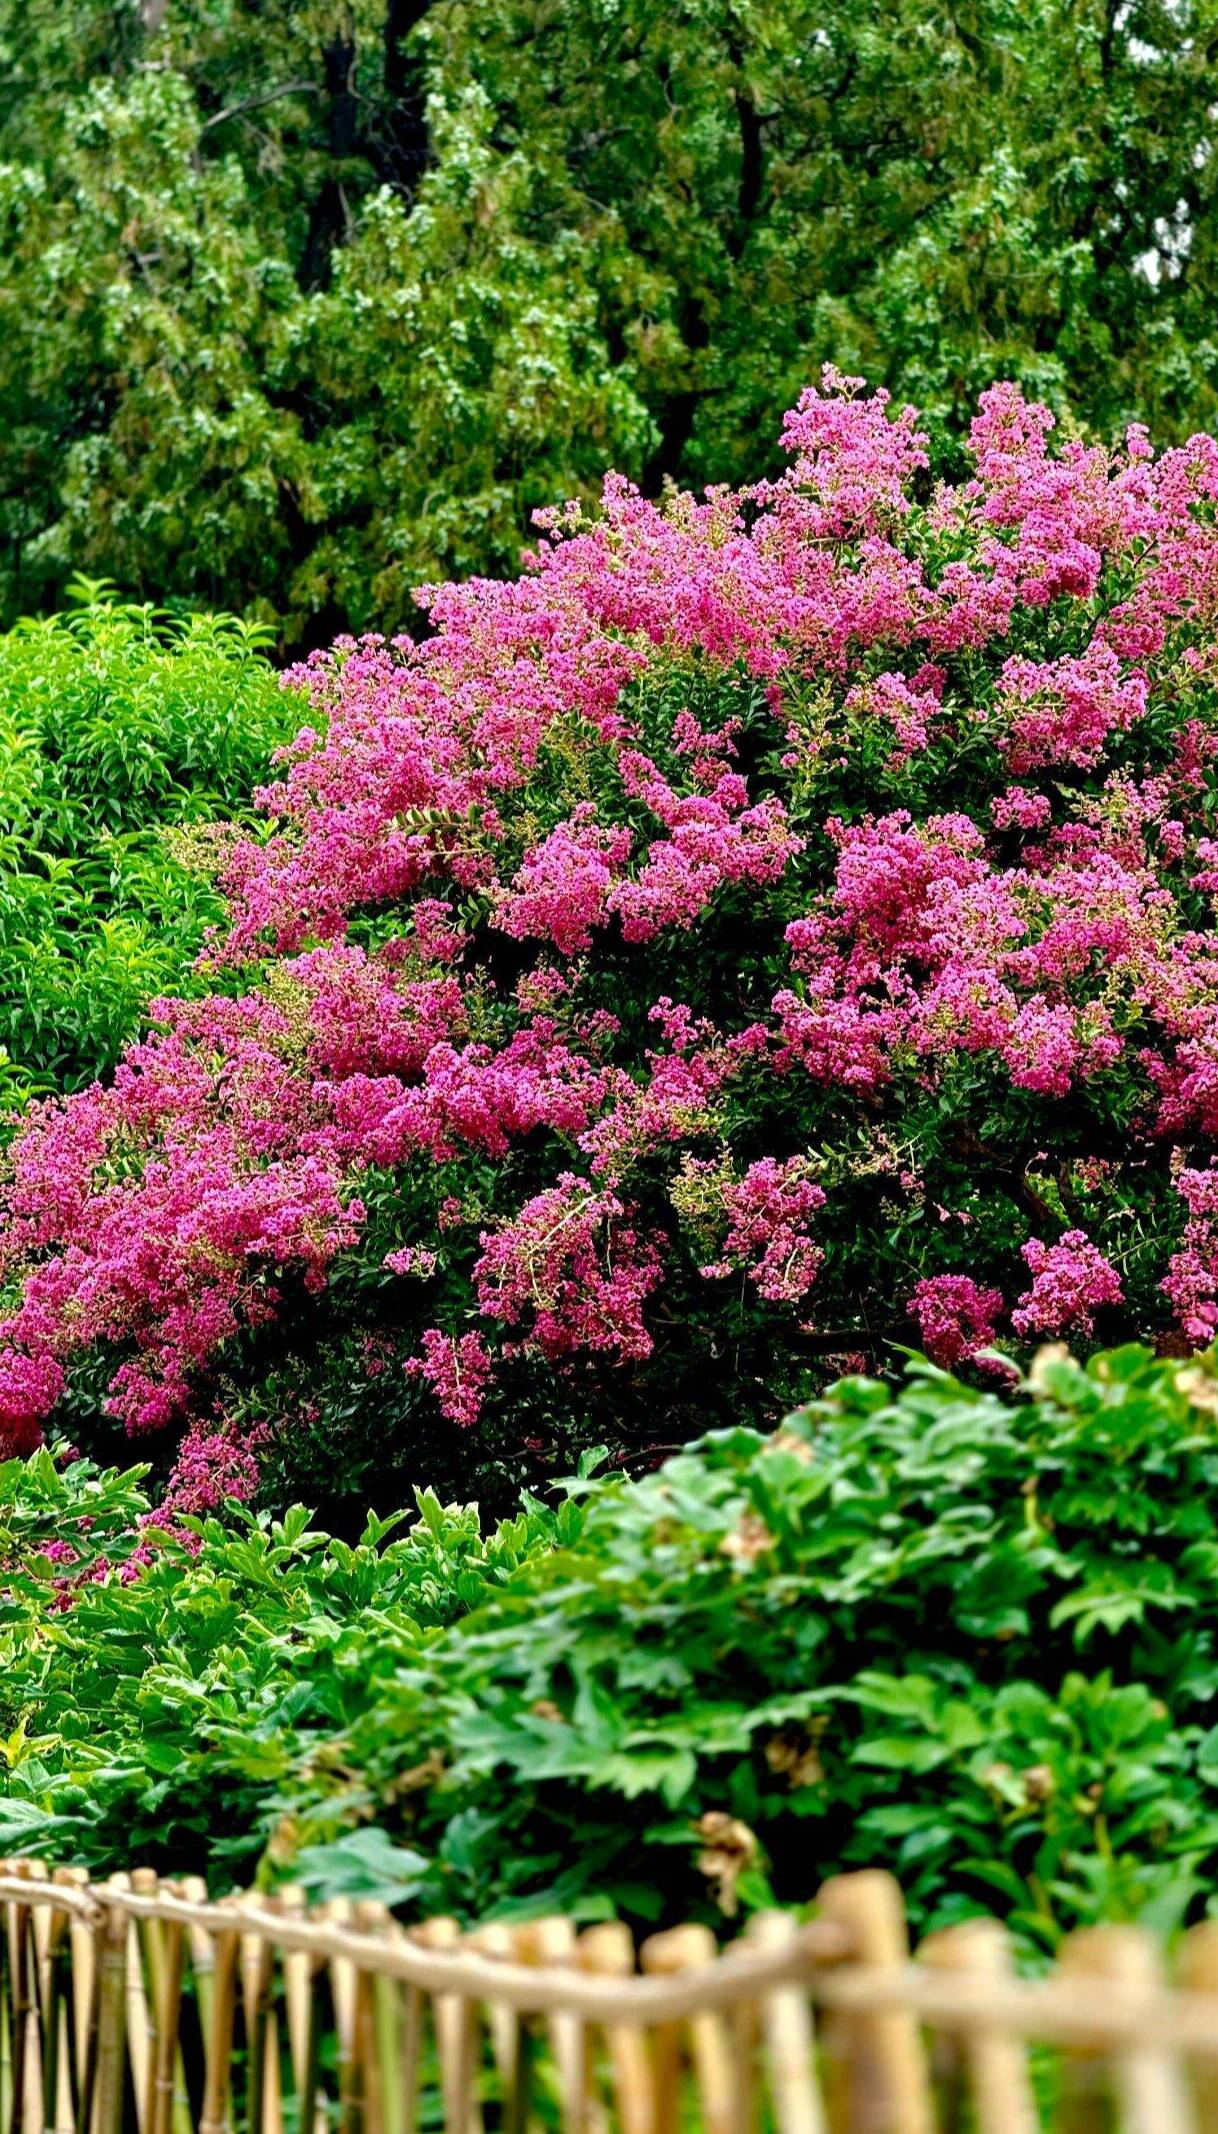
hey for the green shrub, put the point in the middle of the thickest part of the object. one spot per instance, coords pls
(115, 722)
(969, 1639)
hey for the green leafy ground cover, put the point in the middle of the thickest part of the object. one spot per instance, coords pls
(968, 1637)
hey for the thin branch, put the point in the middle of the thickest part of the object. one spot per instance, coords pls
(254, 103)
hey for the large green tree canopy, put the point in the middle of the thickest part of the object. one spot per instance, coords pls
(304, 300)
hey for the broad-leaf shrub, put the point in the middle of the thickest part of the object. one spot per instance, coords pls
(115, 723)
(968, 1637)
(779, 924)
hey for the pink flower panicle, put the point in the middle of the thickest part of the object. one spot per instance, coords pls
(955, 1317)
(1071, 1281)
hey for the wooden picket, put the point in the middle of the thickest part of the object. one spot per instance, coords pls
(136, 2006)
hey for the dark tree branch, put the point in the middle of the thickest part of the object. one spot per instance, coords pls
(406, 150)
(676, 418)
(752, 154)
(328, 220)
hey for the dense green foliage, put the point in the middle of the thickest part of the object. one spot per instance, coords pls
(301, 303)
(969, 1638)
(116, 723)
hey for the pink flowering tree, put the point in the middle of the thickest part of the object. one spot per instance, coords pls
(778, 926)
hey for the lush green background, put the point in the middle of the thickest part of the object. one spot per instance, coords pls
(304, 300)
(967, 1637)
(118, 725)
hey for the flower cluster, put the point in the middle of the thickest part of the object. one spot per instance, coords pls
(811, 883)
(1071, 1281)
(954, 1317)
(767, 1235)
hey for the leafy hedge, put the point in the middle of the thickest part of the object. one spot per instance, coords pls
(970, 1637)
(115, 722)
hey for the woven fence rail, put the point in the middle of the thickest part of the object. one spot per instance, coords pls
(138, 2006)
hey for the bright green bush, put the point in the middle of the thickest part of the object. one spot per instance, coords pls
(968, 1638)
(116, 722)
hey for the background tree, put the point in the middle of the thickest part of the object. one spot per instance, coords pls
(303, 303)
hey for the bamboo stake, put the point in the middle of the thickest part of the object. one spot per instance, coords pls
(218, 2041)
(667, 2042)
(17, 1921)
(64, 2122)
(1148, 2081)
(82, 1949)
(880, 2080)
(1197, 1971)
(56, 2071)
(342, 1974)
(388, 2045)
(141, 2038)
(453, 2015)
(550, 1945)
(146, 1959)
(297, 1993)
(786, 2024)
(996, 2064)
(608, 1952)
(692, 1948)
(37, 1871)
(112, 1987)
(37, 1921)
(91, 2021)
(503, 2025)
(303, 2046)
(255, 1967)
(372, 1919)
(202, 1954)
(6, 2034)
(412, 2051)
(168, 2073)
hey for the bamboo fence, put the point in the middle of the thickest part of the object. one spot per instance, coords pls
(136, 2006)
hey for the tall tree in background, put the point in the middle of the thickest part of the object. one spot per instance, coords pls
(301, 303)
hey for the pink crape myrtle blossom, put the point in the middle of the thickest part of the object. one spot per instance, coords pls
(573, 1271)
(1191, 1281)
(212, 1467)
(457, 1370)
(1065, 710)
(768, 1212)
(1071, 1281)
(563, 887)
(954, 1317)
(837, 852)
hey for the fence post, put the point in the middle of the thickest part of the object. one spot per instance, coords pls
(880, 2082)
(551, 1942)
(504, 2027)
(790, 2040)
(1197, 1972)
(168, 2072)
(456, 2036)
(1147, 2082)
(689, 1948)
(608, 1951)
(218, 2038)
(996, 2064)
(111, 2044)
